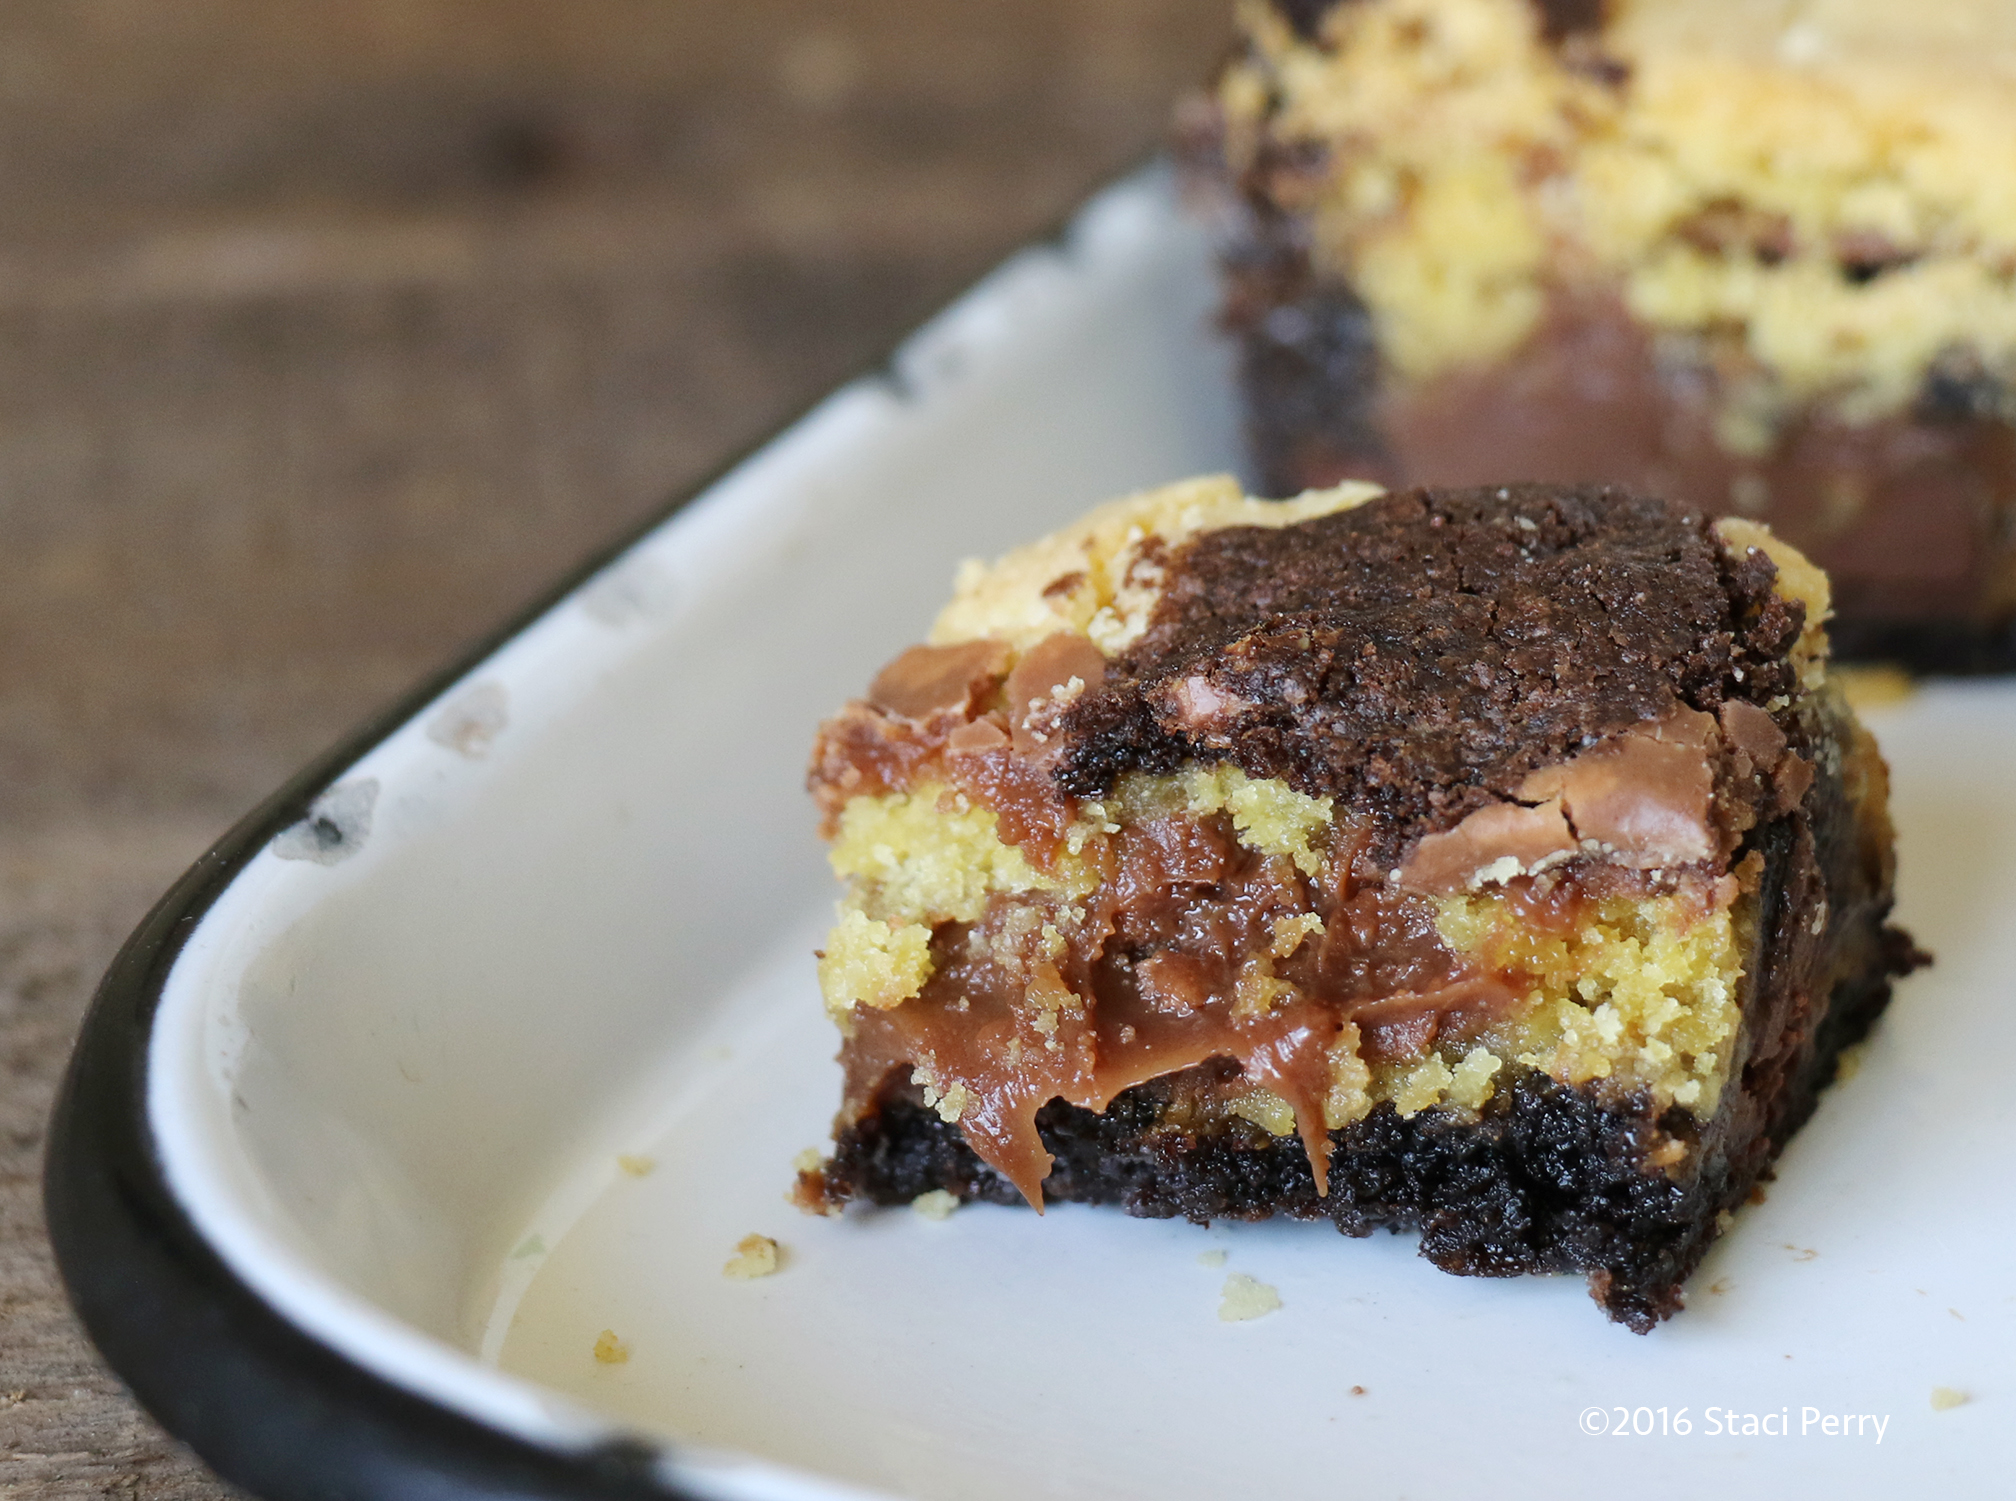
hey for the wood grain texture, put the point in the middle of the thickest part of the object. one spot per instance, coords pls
(331, 331)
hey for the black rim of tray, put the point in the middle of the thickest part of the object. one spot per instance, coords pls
(265, 1404)
(262, 1402)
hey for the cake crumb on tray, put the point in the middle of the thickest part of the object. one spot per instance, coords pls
(755, 1256)
(1246, 1298)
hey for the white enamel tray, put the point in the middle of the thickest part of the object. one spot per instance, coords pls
(380, 1061)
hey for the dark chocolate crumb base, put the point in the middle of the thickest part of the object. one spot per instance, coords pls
(1549, 1177)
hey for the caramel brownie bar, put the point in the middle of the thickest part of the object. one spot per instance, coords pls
(1758, 257)
(1498, 863)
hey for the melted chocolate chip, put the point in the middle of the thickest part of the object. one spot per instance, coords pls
(927, 680)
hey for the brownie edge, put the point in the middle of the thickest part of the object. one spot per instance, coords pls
(1495, 864)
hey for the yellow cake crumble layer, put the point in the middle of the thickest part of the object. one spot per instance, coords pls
(1732, 182)
(868, 962)
(913, 860)
(1269, 816)
(1644, 992)
(1356, 1087)
(935, 856)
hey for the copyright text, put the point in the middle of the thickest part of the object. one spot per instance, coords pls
(1728, 1422)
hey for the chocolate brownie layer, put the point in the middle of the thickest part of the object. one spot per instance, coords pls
(1420, 656)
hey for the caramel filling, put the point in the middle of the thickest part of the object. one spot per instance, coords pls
(1192, 947)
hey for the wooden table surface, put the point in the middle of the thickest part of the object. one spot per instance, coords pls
(330, 329)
